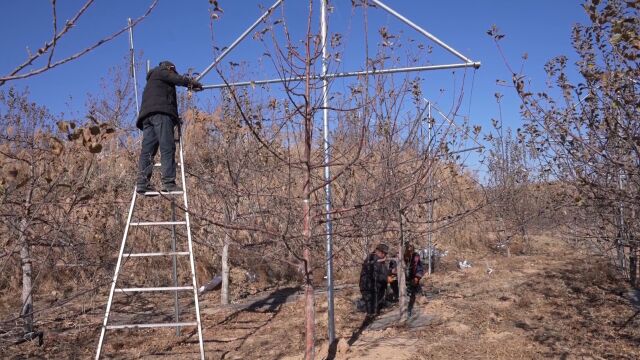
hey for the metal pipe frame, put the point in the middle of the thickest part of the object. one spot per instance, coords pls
(238, 40)
(325, 77)
(463, 150)
(452, 122)
(430, 178)
(347, 74)
(421, 30)
(327, 171)
(430, 206)
(133, 66)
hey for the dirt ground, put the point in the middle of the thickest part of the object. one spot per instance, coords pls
(557, 303)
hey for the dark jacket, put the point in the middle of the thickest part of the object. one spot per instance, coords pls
(373, 276)
(415, 269)
(159, 96)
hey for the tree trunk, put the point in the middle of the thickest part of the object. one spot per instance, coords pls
(526, 240)
(27, 286)
(621, 256)
(224, 292)
(230, 216)
(633, 266)
(309, 308)
(402, 283)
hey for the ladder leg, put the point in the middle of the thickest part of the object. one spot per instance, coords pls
(190, 245)
(115, 276)
(175, 261)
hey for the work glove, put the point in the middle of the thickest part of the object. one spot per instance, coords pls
(196, 86)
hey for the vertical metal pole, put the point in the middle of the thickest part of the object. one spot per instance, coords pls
(430, 184)
(175, 264)
(327, 172)
(148, 66)
(133, 65)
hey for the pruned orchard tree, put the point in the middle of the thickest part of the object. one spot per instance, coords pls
(381, 164)
(585, 130)
(43, 182)
(254, 173)
(509, 185)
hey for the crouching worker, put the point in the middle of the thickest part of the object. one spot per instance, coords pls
(414, 271)
(392, 280)
(157, 118)
(373, 280)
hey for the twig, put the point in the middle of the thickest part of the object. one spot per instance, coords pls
(13, 75)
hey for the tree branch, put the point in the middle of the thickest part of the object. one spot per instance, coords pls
(50, 46)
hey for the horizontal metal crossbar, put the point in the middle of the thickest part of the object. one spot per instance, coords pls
(168, 288)
(155, 193)
(152, 223)
(170, 253)
(345, 74)
(151, 325)
(159, 164)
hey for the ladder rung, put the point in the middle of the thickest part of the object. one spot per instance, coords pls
(159, 164)
(151, 223)
(150, 325)
(155, 193)
(168, 288)
(157, 254)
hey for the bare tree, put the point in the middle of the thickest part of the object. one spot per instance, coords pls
(45, 54)
(586, 136)
(42, 184)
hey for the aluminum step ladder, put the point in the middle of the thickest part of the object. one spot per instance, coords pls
(173, 253)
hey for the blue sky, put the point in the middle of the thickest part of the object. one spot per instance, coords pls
(180, 31)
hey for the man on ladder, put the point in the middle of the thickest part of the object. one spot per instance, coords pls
(157, 118)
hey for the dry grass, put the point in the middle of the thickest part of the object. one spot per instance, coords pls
(558, 303)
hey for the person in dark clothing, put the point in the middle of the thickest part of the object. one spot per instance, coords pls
(414, 271)
(393, 281)
(373, 280)
(157, 118)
